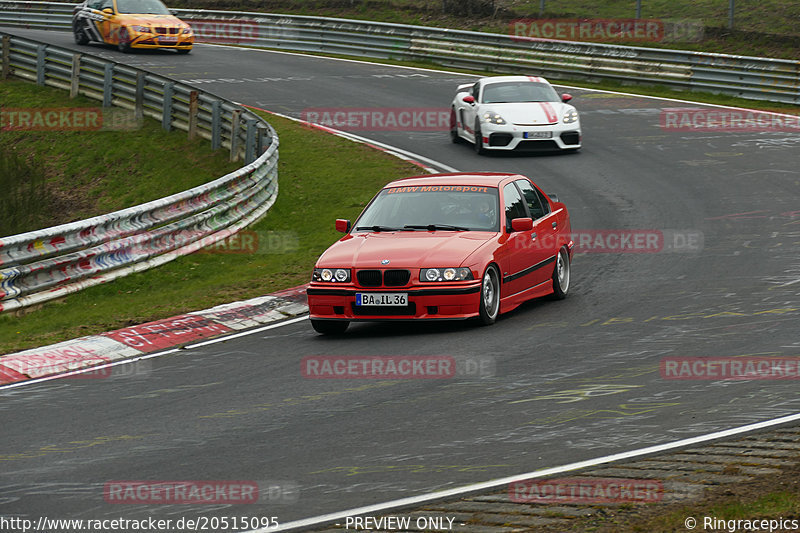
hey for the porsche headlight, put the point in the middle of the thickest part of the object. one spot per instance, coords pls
(445, 274)
(331, 275)
(493, 118)
(570, 117)
(141, 29)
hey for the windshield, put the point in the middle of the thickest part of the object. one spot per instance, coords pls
(142, 7)
(434, 207)
(518, 91)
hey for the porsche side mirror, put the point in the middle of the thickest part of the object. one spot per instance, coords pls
(342, 225)
(469, 99)
(522, 224)
(566, 97)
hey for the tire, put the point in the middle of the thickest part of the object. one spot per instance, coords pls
(184, 50)
(124, 44)
(330, 327)
(478, 139)
(561, 275)
(79, 35)
(490, 296)
(454, 136)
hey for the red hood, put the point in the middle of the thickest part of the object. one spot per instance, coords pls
(414, 249)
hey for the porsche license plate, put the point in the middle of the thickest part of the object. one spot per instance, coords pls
(537, 135)
(393, 299)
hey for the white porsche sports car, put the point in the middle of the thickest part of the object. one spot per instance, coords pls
(514, 113)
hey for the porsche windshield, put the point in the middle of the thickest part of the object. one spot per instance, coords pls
(432, 208)
(142, 7)
(518, 91)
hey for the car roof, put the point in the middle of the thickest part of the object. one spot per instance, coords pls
(487, 179)
(502, 79)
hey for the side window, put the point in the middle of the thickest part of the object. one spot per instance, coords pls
(532, 199)
(475, 90)
(545, 203)
(515, 206)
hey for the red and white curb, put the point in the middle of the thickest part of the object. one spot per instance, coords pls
(134, 341)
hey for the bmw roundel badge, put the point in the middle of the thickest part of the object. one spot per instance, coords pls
(384, 261)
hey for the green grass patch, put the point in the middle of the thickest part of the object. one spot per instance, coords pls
(79, 174)
(321, 178)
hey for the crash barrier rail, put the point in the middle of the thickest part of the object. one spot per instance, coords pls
(776, 80)
(41, 265)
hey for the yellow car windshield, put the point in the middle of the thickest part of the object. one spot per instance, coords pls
(142, 7)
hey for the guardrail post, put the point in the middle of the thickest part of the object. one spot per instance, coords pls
(192, 114)
(138, 111)
(250, 142)
(261, 136)
(6, 57)
(75, 79)
(166, 116)
(40, 64)
(108, 84)
(235, 134)
(216, 125)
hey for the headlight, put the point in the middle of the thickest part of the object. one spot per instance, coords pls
(141, 29)
(187, 30)
(331, 275)
(570, 117)
(445, 274)
(493, 118)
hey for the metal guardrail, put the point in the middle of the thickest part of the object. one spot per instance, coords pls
(776, 80)
(41, 265)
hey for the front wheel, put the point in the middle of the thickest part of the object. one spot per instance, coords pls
(330, 327)
(184, 50)
(124, 44)
(454, 136)
(490, 296)
(561, 275)
(478, 139)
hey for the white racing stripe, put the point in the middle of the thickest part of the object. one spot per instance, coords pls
(382, 508)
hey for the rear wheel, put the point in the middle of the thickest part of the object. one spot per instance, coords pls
(454, 136)
(490, 296)
(561, 274)
(478, 139)
(330, 327)
(124, 44)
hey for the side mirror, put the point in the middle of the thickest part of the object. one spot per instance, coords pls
(469, 99)
(566, 97)
(108, 11)
(342, 225)
(522, 224)
(553, 196)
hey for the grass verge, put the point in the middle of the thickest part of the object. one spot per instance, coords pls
(79, 174)
(321, 177)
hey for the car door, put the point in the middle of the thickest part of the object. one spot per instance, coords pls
(545, 230)
(525, 255)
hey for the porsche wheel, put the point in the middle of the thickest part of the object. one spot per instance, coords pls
(478, 139)
(330, 327)
(454, 136)
(124, 44)
(80, 35)
(490, 296)
(561, 275)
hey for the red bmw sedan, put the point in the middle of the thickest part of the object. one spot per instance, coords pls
(444, 247)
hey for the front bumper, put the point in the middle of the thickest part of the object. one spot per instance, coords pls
(513, 137)
(148, 40)
(434, 302)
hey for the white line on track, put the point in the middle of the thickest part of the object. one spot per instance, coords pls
(497, 483)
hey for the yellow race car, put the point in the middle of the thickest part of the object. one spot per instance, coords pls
(131, 24)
